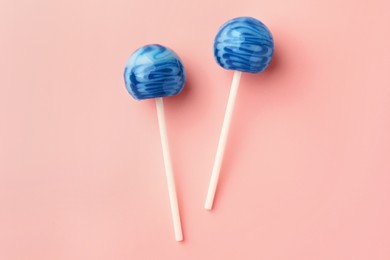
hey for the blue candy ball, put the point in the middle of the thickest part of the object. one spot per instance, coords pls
(244, 44)
(154, 71)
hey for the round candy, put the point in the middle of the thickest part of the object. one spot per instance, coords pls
(154, 71)
(244, 44)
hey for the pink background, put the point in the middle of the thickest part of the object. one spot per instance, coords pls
(307, 170)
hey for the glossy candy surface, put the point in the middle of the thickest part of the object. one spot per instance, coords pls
(154, 71)
(244, 44)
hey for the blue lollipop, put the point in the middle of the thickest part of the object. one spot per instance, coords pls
(155, 71)
(243, 44)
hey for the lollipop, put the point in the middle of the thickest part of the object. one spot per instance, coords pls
(243, 44)
(154, 71)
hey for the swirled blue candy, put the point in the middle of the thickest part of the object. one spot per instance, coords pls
(154, 71)
(244, 44)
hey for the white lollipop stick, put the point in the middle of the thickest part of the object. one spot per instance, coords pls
(222, 140)
(168, 170)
